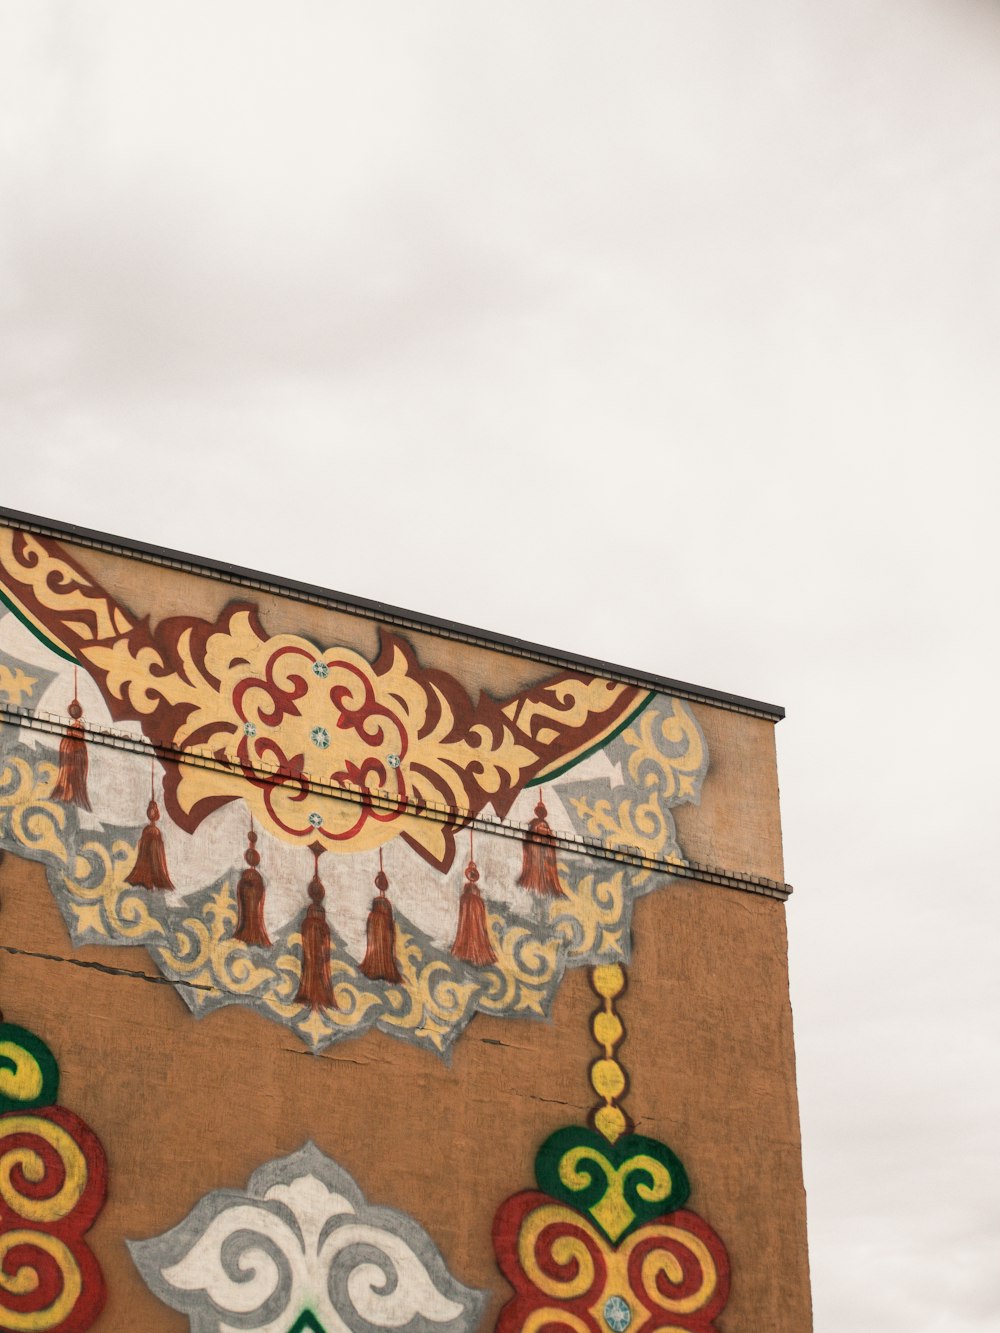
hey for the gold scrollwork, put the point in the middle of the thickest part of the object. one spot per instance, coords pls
(667, 761)
(100, 899)
(16, 685)
(432, 1000)
(194, 942)
(590, 918)
(525, 970)
(27, 814)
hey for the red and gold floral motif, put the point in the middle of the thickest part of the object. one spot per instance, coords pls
(668, 1275)
(295, 722)
(53, 1181)
(606, 1245)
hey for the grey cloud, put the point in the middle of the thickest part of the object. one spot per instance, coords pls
(665, 333)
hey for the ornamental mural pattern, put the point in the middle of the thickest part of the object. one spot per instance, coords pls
(53, 1183)
(302, 1251)
(605, 1243)
(321, 838)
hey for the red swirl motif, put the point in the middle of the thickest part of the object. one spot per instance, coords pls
(678, 1241)
(273, 696)
(672, 1274)
(53, 1182)
(279, 700)
(393, 724)
(531, 1249)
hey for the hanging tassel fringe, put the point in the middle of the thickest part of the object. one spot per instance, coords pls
(379, 962)
(71, 780)
(150, 869)
(472, 938)
(316, 986)
(250, 926)
(539, 871)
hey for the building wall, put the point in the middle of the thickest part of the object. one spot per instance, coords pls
(440, 1120)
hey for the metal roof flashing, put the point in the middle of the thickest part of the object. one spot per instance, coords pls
(383, 612)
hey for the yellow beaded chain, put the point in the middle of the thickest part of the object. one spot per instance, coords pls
(607, 1077)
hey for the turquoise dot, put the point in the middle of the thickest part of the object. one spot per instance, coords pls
(321, 669)
(316, 820)
(249, 729)
(617, 1314)
(320, 737)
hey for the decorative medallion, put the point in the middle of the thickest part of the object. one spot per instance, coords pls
(53, 1181)
(177, 738)
(617, 1314)
(192, 686)
(301, 1250)
(618, 1185)
(605, 1243)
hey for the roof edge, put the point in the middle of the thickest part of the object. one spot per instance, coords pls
(383, 611)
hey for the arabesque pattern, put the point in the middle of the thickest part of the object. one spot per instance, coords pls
(53, 1181)
(321, 753)
(293, 719)
(301, 1249)
(605, 1244)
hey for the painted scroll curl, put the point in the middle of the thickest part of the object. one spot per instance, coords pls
(302, 1244)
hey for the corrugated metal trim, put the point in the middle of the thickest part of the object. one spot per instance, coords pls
(439, 811)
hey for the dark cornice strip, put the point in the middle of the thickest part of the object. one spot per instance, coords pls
(385, 614)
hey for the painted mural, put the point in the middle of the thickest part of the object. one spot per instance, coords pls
(53, 1182)
(605, 1243)
(334, 842)
(301, 1251)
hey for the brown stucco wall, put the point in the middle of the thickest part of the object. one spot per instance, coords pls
(184, 1106)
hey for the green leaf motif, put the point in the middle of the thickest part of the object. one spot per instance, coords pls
(307, 1323)
(29, 1075)
(619, 1186)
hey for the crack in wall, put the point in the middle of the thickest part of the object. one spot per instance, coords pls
(106, 968)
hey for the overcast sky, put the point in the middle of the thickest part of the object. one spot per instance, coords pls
(661, 332)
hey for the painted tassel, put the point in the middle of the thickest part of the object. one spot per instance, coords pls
(150, 869)
(539, 871)
(71, 780)
(472, 938)
(379, 962)
(250, 926)
(316, 986)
